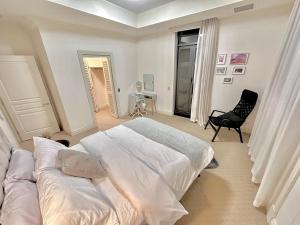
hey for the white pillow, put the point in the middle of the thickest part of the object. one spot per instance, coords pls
(21, 204)
(45, 152)
(21, 166)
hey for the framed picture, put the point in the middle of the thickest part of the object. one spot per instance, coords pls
(227, 80)
(239, 58)
(221, 70)
(239, 70)
(221, 59)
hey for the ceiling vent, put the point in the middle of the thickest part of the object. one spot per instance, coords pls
(243, 8)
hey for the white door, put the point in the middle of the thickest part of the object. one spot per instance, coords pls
(24, 96)
(109, 86)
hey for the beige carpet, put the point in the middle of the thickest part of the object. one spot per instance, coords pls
(221, 196)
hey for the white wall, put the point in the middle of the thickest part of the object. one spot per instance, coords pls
(5, 126)
(61, 44)
(14, 40)
(156, 55)
(258, 33)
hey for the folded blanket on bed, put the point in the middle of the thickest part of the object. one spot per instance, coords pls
(79, 164)
(194, 148)
(141, 185)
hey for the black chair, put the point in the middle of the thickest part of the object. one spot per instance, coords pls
(235, 118)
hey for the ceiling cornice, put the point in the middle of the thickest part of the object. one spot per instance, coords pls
(35, 10)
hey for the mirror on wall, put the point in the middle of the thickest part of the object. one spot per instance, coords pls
(148, 80)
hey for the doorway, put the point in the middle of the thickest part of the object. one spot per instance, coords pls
(98, 77)
(186, 56)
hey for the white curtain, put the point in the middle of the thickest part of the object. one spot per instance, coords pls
(275, 140)
(204, 70)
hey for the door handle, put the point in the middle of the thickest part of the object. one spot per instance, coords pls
(45, 104)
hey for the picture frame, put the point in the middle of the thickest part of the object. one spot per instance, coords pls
(227, 80)
(221, 70)
(239, 58)
(221, 59)
(239, 70)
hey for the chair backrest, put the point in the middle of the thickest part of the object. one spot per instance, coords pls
(246, 104)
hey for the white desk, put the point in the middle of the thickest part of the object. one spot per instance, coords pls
(150, 98)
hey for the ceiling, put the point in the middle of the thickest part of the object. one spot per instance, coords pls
(139, 6)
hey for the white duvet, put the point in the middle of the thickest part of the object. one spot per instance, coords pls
(146, 189)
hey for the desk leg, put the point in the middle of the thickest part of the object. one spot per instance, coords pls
(153, 106)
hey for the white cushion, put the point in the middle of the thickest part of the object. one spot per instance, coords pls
(21, 166)
(45, 152)
(21, 204)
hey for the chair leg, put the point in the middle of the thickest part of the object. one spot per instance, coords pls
(206, 124)
(240, 133)
(217, 131)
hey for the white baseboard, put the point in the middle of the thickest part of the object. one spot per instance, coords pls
(123, 114)
(81, 130)
(165, 112)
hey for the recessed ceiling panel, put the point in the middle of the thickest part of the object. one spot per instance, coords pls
(139, 6)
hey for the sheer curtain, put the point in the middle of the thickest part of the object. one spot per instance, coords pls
(204, 70)
(275, 140)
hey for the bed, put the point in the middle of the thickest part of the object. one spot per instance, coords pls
(150, 167)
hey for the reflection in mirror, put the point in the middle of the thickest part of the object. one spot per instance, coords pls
(148, 80)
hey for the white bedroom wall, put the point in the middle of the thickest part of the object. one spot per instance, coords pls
(61, 43)
(156, 55)
(258, 33)
(14, 40)
(5, 126)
